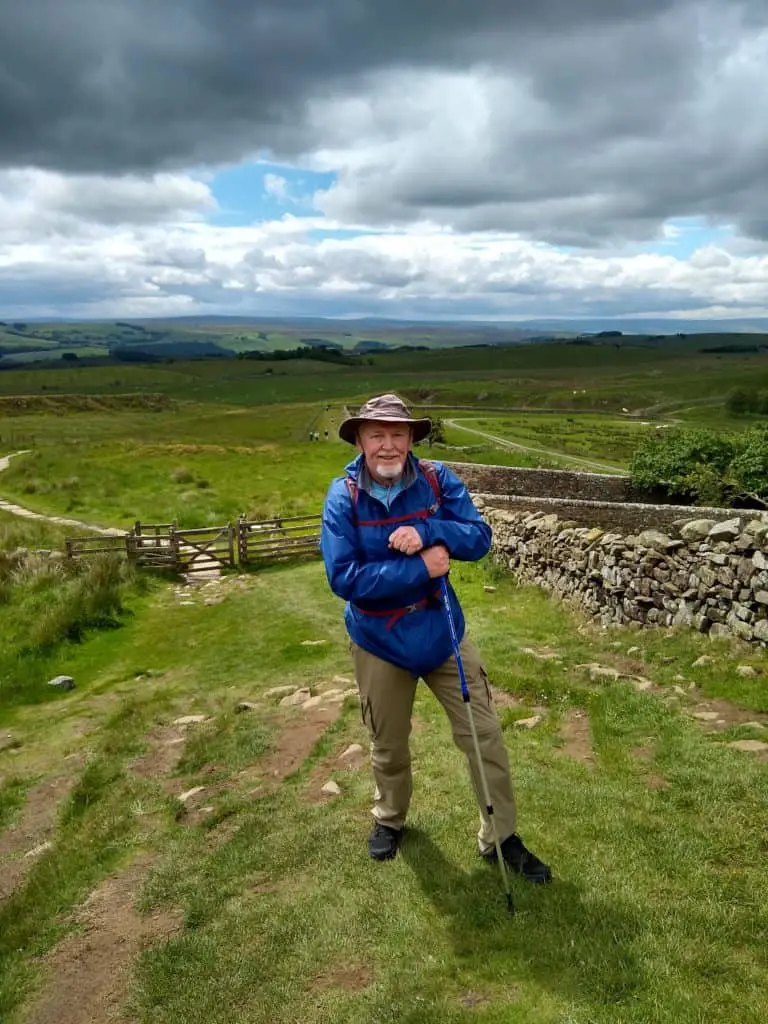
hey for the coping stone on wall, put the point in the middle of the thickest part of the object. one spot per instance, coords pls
(553, 483)
(627, 516)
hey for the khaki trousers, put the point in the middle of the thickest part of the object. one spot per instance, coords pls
(386, 701)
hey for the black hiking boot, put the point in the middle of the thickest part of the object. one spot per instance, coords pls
(384, 841)
(522, 861)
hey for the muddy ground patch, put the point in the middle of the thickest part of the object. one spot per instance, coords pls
(88, 974)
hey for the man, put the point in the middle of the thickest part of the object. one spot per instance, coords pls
(390, 528)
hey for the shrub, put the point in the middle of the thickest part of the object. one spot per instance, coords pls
(747, 401)
(437, 433)
(749, 467)
(705, 467)
(182, 475)
(681, 460)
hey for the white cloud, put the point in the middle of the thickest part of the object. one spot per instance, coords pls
(276, 186)
(307, 265)
(470, 144)
(38, 204)
(599, 137)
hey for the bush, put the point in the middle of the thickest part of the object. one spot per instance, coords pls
(436, 434)
(747, 401)
(705, 467)
(182, 475)
(750, 464)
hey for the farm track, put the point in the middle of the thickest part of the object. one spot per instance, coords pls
(600, 467)
(207, 567)
(26, 513)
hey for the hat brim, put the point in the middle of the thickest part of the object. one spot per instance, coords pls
(348, 429)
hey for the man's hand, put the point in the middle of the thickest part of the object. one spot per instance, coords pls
(406, 539)
(437, 560)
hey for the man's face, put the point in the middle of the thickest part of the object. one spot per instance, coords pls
(385, 447)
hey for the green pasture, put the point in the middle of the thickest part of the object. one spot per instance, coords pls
(236, 438)
(536, 376)
(653, 827)
(198, 465)
(601, 438)
(8, 340)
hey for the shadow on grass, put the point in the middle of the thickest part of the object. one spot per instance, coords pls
(578, 946)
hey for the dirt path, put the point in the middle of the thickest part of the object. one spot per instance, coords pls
(24, 841)
(88, 975)
(600, 467)
(26, 513)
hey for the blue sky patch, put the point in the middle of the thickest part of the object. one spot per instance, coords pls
(255, 191)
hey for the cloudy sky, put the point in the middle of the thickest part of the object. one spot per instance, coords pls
(493, 159)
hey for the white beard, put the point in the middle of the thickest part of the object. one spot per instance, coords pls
(390, 470)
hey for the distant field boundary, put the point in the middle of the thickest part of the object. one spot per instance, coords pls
(14, 405)
(555, 411)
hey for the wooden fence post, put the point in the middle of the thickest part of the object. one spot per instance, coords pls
(176, 548)
(242, 542)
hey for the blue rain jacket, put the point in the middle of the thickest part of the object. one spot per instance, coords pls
(362, 569)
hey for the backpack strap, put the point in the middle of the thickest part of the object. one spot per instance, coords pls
(353, 490)
(429, 471)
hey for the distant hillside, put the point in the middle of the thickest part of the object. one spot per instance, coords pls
(205, 337)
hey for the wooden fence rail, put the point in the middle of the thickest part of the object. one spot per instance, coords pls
(78, 547)
(272, 540)
(247, 543)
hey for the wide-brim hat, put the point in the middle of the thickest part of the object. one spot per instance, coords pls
(384, 409)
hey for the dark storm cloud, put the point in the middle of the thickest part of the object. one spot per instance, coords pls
(577, 122)
(117, 85)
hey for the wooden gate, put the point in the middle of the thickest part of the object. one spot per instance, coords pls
(152, 546)
(204, 551)
(277, 540)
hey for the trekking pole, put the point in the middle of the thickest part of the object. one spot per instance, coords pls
(465, 695)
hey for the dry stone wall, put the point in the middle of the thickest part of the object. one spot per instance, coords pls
(624, 516)
(712, 576)
(545, 483)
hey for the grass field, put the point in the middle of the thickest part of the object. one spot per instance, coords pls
(251, 898)
(534, 376)
(270, 909)
(232, 430)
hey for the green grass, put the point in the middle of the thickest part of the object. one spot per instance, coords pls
(12, 796)
(47, 609)
(199, 465)
(658, 907)
(33, 534)
(589, 379)
(658, 912)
